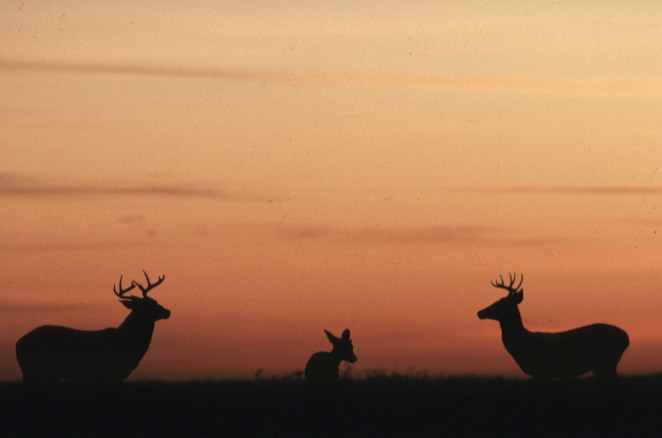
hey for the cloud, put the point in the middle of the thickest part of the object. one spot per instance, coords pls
(140, 70)
(564, 190)
(147, 190)
(430, 235)
(396, 236)
(46, 306)
(131, 219)
(642, 224)
(477, 235)
(59, 246)
(523, 85)
(15, 185)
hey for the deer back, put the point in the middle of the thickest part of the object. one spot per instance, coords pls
(54, 353)
(597, 348)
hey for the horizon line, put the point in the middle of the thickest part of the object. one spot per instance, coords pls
(363, 376)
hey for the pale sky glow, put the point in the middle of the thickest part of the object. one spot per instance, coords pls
(315, 165)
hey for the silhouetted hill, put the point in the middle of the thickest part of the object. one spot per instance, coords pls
(377, 406)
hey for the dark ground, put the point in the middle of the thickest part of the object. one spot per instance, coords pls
(378, 406)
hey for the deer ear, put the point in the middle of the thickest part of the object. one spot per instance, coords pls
(345, 335)
(331, 337)
(519, 296)
(127, 303)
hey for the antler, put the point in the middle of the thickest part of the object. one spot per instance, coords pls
(123, 291)
(511, 290)
(150, 286)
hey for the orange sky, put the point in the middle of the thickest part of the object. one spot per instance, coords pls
(362, 165)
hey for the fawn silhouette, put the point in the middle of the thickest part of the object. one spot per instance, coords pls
(596, 347)
(322, 367)
(106, 357)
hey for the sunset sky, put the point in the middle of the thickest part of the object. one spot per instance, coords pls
(298, 166)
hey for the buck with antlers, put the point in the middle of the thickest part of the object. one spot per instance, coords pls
(103, 357)
(596, 347)
(322, 367)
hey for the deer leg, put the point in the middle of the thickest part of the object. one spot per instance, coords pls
(606, 370)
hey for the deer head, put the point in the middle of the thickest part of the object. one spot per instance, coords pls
(342, 347)
(144, 306)
(507, 306)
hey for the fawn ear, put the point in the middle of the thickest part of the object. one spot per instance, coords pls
(331, 337)
(345, 335)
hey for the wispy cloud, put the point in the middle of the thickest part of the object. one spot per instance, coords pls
(16, 185)
(46, 306)
(62, 246)
(504, 84)
(139, 70)
(564, 190)
(397, 236)
(431, 235)
(477, 235)
(150, 190)
(413, 191)
(641, 223)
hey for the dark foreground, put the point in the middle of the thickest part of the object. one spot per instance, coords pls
(382, 406)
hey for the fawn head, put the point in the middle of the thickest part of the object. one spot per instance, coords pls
(507, 305)
(144, 306)
(342, 346)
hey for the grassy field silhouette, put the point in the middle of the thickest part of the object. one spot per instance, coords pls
(379, 405)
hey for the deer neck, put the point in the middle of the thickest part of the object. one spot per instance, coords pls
(512, 329)
(335, 358)
(137, 330)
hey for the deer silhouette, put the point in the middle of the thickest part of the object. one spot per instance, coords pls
(596, 347)
(322, 367)
(106, 357)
